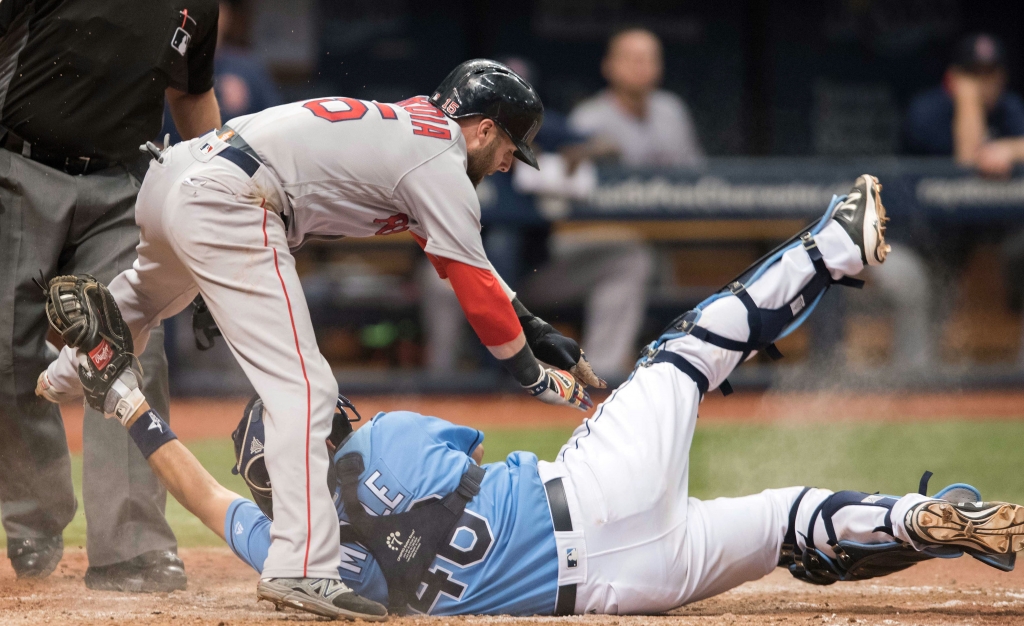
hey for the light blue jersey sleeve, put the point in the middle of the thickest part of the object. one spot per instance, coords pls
(247, 531)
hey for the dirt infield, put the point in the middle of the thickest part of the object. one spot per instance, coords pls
(222, 593)
(208, 418)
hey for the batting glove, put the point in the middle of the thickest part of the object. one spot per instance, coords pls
(554, 348)
(560, 387)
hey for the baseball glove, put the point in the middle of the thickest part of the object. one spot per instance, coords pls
(82, 310)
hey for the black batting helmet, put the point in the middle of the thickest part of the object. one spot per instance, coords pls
(488, 88)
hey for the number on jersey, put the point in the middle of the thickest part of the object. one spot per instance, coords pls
(427, 120)
(468, 545)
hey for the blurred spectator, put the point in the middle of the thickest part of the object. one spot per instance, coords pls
(242, 83)
(609, 278)
(650, 126)
(971, 116)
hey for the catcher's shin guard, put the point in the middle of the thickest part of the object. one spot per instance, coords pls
(852, 560)
(766, 325)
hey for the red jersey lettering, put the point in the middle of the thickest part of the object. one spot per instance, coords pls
(426, 130)
(386, 112)
(328, 109)
(397, 223)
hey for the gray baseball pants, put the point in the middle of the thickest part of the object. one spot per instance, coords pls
(53, 223)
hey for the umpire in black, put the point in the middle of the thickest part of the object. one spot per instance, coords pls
(82, 85)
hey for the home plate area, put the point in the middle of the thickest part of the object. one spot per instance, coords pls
(222, 592)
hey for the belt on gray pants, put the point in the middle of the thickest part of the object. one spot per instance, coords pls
(239, 152)
(565, 602)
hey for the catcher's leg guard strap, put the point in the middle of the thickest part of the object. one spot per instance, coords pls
(684, 366)
(765, 325)
(845, 559)
(787, 556)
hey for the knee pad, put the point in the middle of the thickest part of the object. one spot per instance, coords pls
(766, 325)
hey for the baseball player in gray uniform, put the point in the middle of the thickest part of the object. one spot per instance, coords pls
(220, 214)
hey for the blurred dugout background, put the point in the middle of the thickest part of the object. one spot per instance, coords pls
(779, 104)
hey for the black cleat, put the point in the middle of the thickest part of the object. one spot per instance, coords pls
(984, 527)
(35, 558)
(322, 596)
(160, 571)
(863, 217)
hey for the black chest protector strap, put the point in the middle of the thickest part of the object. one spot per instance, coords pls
(403, 544)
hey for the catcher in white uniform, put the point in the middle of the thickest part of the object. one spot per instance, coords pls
(220, 214)
(608, 527)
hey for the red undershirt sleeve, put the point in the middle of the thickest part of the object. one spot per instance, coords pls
(483, 300)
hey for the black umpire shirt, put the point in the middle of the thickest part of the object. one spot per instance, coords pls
(86, 78)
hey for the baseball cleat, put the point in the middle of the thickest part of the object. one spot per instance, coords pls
(986, 527)
(322, 596)
(863, 217)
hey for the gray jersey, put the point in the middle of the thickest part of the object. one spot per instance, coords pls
(358, 168)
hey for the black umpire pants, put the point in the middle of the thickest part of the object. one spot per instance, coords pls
(55, 223)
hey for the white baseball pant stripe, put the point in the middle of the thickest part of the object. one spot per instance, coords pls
(204, 228)
(648, 547)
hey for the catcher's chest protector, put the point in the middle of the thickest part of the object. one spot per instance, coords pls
(404, 544)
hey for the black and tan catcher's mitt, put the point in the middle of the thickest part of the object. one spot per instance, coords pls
(82, 310)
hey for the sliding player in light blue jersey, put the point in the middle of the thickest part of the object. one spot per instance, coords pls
(607, 527)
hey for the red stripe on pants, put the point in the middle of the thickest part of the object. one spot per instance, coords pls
(302, 362)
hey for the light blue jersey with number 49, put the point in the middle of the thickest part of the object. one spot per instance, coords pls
(502, 558)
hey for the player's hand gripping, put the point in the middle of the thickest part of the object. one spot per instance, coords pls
(554, 348)
(82, 310)
(560, 387)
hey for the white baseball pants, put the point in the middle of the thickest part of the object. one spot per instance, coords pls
(207, 227)
(642, 545)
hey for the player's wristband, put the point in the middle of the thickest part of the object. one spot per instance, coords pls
(150, 432)
(524, 367)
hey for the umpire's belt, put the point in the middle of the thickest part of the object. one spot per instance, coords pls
(572, 553)
(74, 165)
(238, 151)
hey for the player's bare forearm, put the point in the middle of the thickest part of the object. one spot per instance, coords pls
(188, 481)
(193, 114)
(968, 119)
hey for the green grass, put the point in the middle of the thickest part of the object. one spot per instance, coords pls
(731, 460)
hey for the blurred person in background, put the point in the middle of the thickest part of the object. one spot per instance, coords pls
(609, 278)
(650, 126)
(81, 86)
(243, 83)
(973, 118)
